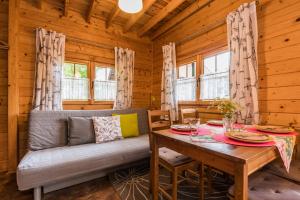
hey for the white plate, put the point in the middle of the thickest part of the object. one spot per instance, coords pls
(274, 129)
(215, 122)
(249, 137)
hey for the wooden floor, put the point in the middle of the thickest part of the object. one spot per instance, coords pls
(99, 189)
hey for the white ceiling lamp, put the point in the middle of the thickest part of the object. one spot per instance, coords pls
(131, 6)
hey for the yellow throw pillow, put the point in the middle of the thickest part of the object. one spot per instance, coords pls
(129, 124)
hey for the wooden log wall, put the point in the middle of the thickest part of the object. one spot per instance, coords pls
(278, 53)
(279, 58)
(3, 86)
(91, 37)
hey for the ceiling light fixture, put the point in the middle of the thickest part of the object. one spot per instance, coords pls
(131, 6)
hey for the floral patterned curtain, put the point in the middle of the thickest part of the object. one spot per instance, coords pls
(168, 81)
(124, 62)
(50, 54)
(242, 40)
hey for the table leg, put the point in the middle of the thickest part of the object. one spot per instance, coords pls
(201, 180)
(154, 168)
(241, 182)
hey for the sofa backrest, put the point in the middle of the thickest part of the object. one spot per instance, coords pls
(48, 129)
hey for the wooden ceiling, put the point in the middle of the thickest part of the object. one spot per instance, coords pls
(148, 22)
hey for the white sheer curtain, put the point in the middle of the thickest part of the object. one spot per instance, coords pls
(168, 84)
(186, 89)
(242, 40)
(124, 62)
(214, 86)
(50, 54)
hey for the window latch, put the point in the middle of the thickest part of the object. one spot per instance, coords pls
(198, 81)
(93, 82)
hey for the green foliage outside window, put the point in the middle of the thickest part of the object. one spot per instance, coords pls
(75, 70)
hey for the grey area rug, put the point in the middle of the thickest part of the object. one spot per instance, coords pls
(133, 184)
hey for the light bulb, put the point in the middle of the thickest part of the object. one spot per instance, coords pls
(131, 6)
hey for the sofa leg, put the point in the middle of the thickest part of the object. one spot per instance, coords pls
(37, 193)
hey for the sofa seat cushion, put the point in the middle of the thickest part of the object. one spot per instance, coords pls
(263, 185)
(277, 168)
(42, 167)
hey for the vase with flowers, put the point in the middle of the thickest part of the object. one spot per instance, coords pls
(228, 109)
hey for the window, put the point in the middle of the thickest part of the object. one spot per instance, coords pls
(75, 84)
(186, 82)
(203, 77)
(215, 78)
(104, 84)
(88, 81)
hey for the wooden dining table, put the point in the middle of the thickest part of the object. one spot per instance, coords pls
(238, 161)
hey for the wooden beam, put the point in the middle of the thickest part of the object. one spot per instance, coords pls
(112, 16)
(173, 4)
(66, 7)
(40, 4)
(136, 17)
(203, 30)
(3, 45)
(91, 10)
(13, 88)
(189, 11)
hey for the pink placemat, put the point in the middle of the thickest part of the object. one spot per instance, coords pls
(201, 131)
(180, 132)
(224, 139)
(214, 125)
(254, 130)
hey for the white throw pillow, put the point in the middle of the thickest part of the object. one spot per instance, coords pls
(107, 128)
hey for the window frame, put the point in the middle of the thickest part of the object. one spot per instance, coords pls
(91, 76)
(185, 62)
(199, 58)
(104, 65)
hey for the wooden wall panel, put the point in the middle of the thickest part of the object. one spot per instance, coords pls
(3, 86)
(93, 36)
(278, 53)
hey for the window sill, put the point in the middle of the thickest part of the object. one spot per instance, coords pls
(88, 102)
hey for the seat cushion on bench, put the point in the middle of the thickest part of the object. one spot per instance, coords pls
(277, 168)
(42, 167)
(266, 186)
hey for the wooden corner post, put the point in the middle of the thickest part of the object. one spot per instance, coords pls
(13, 89)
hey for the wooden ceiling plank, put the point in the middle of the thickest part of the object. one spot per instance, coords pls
(91, 11)
(66, 7)
(172, 5)
(193, 8)
(112, 16)
(136, 17)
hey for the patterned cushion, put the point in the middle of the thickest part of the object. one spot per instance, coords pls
(266, 186)
(107, 128)
(277, 168)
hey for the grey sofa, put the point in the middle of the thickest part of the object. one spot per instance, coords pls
(51, 164)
